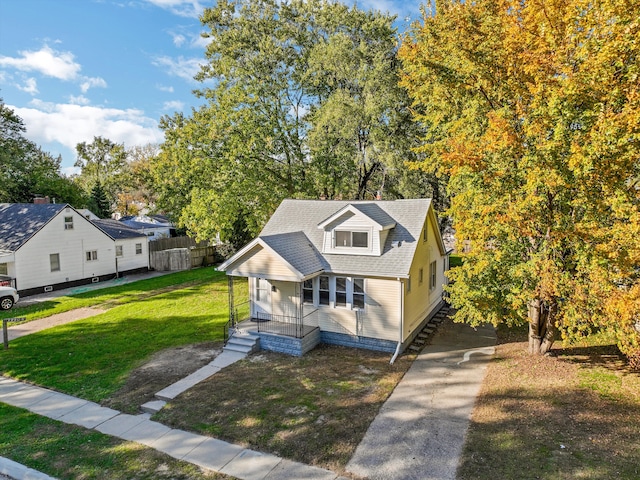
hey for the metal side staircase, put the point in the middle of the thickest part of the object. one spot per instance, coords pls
(427, 331)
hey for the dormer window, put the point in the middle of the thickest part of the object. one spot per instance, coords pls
(351, 239)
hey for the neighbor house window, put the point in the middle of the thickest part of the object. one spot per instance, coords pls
(68, 223)
(408, 284)
(432, 275)
(138, 248)
(54, 261)
(91, 255)
(118, 250)
(424, 233)
(341, 292)
(352, 239)
(323, 290)
(358, 293)
(420, 276)
(3, 269)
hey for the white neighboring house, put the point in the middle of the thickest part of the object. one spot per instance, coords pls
(153, 226)
(46, 247)
(131, 246)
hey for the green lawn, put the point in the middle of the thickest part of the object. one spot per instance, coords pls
(124, 293)
(68, 451)
(91, 358)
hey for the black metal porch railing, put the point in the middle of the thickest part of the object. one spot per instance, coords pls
(286, 325)
(279, 324)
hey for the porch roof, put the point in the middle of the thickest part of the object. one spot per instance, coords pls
(293, 250)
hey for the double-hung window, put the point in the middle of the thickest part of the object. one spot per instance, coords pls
(432, 275)
(341, 291)
(358, 293)
(68, 223)
(138, 248)
(118, 250)
(307, 292)
(323, 290)
(91, 255)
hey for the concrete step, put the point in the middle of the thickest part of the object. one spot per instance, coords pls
(415, 348)
(242, 343)
(154, 406)
(428, 330)
(243, 340)
(238, 347)
(423, 335)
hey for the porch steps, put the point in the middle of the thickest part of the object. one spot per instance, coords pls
(243, 343)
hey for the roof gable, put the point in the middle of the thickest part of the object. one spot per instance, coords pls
(372, 212)
(21, 221)
(293, 234)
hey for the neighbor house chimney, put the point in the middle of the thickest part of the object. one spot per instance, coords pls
(41, 200)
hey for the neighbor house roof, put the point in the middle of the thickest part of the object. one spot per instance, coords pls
(295, 233)
(116, 229)
(21, 221)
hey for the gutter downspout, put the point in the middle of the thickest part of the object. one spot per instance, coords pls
(399, 346)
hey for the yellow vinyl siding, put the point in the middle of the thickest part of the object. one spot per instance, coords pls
(260, 263)
(380, 318)
(416, 308)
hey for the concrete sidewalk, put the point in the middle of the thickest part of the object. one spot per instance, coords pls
(200, 450)
(420, 430)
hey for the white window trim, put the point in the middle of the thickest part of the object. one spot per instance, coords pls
(351, 247)
(139, 250)
(68, 222)
(332, 292)
(433, 275)
(91, 255)
(119, 251)
(50, 264)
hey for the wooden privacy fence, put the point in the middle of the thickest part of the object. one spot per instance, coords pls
(180, 253)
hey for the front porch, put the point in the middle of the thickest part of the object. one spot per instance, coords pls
(272, 311)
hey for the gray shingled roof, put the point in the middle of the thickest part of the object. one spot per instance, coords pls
(117, 230)
(298, 250)
(304, 216)
(20, 221)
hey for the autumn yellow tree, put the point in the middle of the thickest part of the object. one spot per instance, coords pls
(532, 108)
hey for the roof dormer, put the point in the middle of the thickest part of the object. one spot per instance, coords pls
(356, 229)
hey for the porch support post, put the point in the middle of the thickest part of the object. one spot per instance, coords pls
(231, 299)
(301, 308)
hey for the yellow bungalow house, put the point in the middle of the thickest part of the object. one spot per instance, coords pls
(366, 274)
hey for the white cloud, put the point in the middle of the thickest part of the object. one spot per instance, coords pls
(49, 62)
(79, 100)
(178, 39)
(185, 68)
(173, 105)
(89, 82)
(70, 124)
(163, 88)
(182, 8)
(30, 86)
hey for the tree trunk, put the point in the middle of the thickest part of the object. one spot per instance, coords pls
(541, 326)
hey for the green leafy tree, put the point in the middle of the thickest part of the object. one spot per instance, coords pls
(302, 101)
(98, 202)
(105, 162)
(532, 109)
(27, 171)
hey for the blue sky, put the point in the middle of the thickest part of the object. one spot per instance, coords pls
(75, 69)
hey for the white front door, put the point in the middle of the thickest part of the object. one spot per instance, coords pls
(262, 302)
